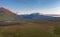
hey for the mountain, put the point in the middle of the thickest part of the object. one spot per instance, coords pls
(53, 15)
(39, 19)
(34, 16)
(7, 15)
(6, 11)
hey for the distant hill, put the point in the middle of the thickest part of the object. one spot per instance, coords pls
(34, 16)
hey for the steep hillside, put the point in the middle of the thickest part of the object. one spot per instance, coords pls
(6, 15)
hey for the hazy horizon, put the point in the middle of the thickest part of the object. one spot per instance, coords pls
(32, 6)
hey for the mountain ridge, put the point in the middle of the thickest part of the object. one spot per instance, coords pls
(34, 16)
(6, 14)
(6, 11)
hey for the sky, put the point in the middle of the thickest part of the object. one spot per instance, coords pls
(32, 6)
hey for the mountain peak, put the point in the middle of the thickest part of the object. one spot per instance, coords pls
(6, 11)
(1, 7)
(6, 15)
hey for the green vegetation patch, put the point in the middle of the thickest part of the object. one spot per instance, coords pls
(57, 30)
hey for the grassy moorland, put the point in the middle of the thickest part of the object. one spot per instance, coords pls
(32, 29)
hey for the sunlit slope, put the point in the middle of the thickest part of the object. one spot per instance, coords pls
(6, 15)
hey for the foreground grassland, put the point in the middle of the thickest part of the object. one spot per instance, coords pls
(51, 29)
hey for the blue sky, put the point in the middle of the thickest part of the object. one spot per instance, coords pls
(32, 6)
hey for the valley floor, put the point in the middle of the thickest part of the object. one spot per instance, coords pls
(31, 30)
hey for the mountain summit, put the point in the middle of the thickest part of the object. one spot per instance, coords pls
(6, 11)
(7, 15)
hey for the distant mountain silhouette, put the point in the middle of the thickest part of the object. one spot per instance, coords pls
(37, 16)
(34, 16)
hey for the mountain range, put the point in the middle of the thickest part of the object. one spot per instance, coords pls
(38, 16)
(6, 14)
